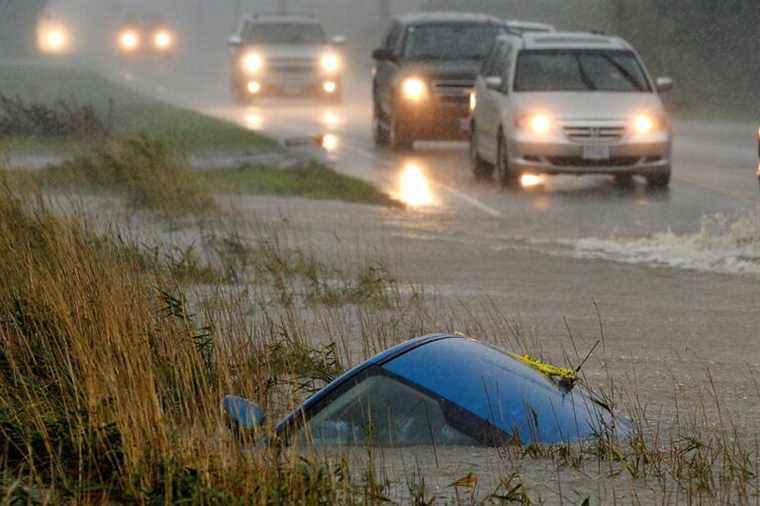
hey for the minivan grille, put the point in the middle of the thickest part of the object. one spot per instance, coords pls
(606, 134)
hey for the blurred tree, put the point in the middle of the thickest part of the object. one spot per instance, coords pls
(18, 26)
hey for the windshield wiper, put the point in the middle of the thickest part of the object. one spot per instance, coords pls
(585, 77)
(627, 75)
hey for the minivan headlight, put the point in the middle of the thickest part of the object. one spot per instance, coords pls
(644, 124)
(539, 124)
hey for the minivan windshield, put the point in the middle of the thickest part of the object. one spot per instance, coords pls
(450, 41)
(306, 34)
(580, 70)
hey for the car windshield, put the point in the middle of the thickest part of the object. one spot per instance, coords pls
(286, 33)
(452, 41)
(580, 70)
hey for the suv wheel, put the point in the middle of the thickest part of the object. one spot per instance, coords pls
(507, 176)
(400, 138)
(480, 168)
(659, 181)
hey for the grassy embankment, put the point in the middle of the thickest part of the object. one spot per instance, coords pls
(115, 139)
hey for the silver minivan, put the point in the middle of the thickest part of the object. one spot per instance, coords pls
(569, 103)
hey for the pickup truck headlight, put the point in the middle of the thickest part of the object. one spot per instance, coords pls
(253, 63)
(330, 63)
(414, 89)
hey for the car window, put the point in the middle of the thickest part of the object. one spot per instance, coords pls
(381, 410)
(391, 39)
(580, 70)
(501, 62)
(450, 41)
(285, 34)
(488, 65)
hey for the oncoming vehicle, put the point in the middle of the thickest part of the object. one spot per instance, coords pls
(442, 390)
(424, 73)
(569, 103)
(145, 36)
(287, 54)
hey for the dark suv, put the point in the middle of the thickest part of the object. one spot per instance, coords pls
(425, 71)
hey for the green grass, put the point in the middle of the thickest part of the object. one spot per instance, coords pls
(129, 112)
(312, 181)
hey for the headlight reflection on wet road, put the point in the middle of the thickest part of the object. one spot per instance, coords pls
(414, 187)
(528, 181)
(254, 121)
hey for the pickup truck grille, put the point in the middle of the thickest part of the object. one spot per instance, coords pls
(606, 134)
(292, 65)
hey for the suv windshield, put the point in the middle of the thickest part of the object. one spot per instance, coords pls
(452, 41)
(580, 70)
(285, 33)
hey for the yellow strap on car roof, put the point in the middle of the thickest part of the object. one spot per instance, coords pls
(566, 378)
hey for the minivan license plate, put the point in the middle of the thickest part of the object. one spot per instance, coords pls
(596, 152)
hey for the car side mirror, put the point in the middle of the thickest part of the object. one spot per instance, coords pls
(381, 54)
(234, 41)
(494, 82)
(339, 41)
(664, 84)
(242, 413)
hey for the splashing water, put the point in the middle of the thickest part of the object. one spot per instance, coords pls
(723, 244)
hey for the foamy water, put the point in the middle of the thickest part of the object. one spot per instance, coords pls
(723, 244)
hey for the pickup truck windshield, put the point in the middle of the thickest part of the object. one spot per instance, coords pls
(285, 34)
(450, 41)
(580, 70)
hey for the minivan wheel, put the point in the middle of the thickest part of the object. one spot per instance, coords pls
(400, 138)
(507, 176)
(480, 168)
(659, 181)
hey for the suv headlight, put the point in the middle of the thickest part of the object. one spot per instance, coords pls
(129, 40)
(163, 39)
(253, 62)
(330, 63)
(414, 89)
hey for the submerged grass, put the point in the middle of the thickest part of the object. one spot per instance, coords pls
(312, 180)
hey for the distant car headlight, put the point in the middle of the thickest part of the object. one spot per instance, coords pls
(473, 101)
(163, 39)
(414, 89)
(538, 124)
(253, 63)
(53, 39)
(330, 63)
(129, 40)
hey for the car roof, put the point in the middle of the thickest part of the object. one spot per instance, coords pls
(423, 18)
(530, 25)
(305, 19)
(572, 40)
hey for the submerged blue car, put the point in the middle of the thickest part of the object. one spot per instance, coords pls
(442, 390)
